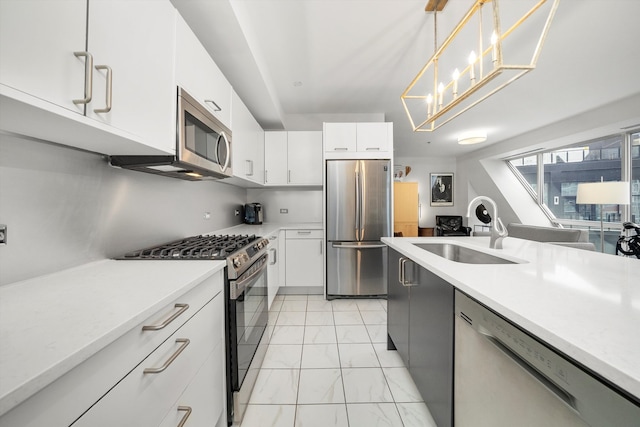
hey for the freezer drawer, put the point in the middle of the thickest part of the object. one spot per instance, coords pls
(356, 269)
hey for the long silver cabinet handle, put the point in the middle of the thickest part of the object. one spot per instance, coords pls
(185, 417)
(182, 307)
(275, 259)
(289, 176)
(401, 270)
(250, 164)
(109, 89)
(372, 149)
(340, 149)
(88, 77)
(185, 342)
(216, 106)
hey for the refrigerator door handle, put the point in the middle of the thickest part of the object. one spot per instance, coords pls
(358, 195)
(363, 204)
(356, 246)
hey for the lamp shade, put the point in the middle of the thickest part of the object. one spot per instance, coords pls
(603, 193)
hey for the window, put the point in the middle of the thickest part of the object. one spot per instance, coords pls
(528, 169)
(564, 169)
(635, 177)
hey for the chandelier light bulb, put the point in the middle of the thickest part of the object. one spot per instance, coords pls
(494, 43)
(429, 102)
(455, 76)
(441, 93)
(472, 66)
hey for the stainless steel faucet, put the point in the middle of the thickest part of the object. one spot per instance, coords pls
(498, 231)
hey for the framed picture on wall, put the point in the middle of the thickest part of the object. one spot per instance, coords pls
(441, 189)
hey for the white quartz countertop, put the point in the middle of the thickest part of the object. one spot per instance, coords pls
(585, 304)
(267, 228)
(50, 324)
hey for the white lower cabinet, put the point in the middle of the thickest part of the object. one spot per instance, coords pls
(201, 404)
(139, 378)
(145, 395)
(304, 258)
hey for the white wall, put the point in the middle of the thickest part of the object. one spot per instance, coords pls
(303, 205)
(420, 170)
(65, 207)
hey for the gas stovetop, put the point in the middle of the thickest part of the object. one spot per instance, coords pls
(199, 248)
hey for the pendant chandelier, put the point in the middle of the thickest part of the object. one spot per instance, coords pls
(448, 85)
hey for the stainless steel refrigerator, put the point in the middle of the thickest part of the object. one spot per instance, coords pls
(358, 215)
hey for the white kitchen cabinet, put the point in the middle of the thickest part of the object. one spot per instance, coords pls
(198, 74)
(37, 44)
(136, 40)
(293, 158)
(304, 258)
(339, 137)
(275, 158)
(273, 268)
(147, 394)
(358, 140)
(117, 55)
(248, 143)
(110, 388)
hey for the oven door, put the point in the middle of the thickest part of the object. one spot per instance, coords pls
(248, 315)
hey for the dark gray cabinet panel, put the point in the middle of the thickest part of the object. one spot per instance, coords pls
(420, 324)
(397, 308)
(431, 316)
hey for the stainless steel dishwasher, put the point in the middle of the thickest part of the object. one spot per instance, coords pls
(505, 377)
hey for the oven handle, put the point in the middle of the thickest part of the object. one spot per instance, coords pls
(239, 286)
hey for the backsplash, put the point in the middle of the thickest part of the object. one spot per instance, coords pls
(300, 205)
(64, 207)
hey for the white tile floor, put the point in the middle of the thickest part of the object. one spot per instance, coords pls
(328, 365)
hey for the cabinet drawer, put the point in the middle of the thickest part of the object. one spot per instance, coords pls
(146, 394)
(303, 234)
(202, 402)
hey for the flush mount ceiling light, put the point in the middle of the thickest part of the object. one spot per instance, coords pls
(472, 138)
(449, 85)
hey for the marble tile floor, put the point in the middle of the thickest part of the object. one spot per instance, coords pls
(328, 365)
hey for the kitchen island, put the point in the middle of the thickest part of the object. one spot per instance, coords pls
(584, 304)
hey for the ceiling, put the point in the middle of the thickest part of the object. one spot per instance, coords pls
(297, 63)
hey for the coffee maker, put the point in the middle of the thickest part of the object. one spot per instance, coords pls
(253, 213)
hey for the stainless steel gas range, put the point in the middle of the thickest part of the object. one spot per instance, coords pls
(246, 310)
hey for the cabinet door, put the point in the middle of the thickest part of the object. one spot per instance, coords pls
(372, 137)
(273, 270)
(339, 137)
(37, 44)
(431, 344)
(398, 306)
(305, 158)
(304, 262)
(200, 76)
(248, 154)
(136, 38)
(275, 158)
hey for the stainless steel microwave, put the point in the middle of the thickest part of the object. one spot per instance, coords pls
(203, 147)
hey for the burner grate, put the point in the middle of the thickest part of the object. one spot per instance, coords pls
(196, 247)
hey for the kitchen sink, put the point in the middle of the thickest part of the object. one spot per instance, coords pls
(462, 254)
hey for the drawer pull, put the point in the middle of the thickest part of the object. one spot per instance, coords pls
(182, 307)
(185, 342)
(304, 232)
(185, 417)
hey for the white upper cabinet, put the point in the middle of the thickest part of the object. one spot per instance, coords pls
(135, 39)
(199, 75)
(275, 158)
(37, 44)
(248, 139)
(53, 53)
(340, 137)
(358, 140)
(293, 158)
(305, 158)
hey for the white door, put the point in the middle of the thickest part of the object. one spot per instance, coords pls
(373, 136)
(304, 262)
(339, 137)
(37, 44)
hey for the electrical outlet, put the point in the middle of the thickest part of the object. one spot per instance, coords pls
(3, 234)
(237, 212)
(207, 215)
(284, 211)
